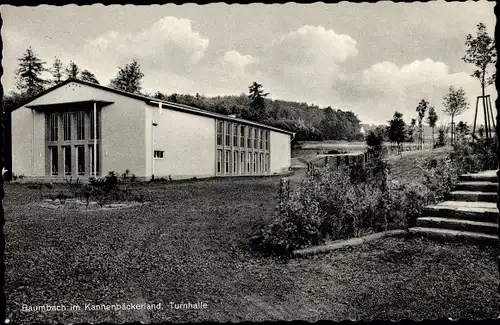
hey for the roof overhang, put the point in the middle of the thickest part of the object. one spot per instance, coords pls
(86, 104)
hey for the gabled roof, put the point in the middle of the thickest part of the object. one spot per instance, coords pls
(154, 102)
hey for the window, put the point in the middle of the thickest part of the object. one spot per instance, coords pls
(53, 126)
(219, 133)
(67, 126)
(92, 125)
(80, 125)
(235, 135)
(67, 160)
(80, 159)
(235, 162)
(219, 161)
(261, 163)
(249, 138)
(242, 163)
(255, 138)
(249, 162)
(54, 161)
(255, 162)
(228, 134)
(227, 161)
(266, 165)
(242, 136)
(91, 160)
(158, 154)
(267, 139)
(261, 139)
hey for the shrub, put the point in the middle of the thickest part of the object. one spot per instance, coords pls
(470, 157)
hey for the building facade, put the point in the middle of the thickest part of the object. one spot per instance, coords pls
(79, 129)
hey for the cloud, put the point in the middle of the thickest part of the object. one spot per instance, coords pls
(385, 87)
(169, 44)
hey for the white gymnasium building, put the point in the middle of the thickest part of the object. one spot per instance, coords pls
(81, 129)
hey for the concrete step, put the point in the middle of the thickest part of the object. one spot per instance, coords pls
(458, 224)
(475, 211)
(473, 196)
(455, 235)
(480, 186)
(486, 176)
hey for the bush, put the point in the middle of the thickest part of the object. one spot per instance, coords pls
(470, 157)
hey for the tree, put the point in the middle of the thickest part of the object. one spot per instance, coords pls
(482, 53)
(257, 104)
(72, 70)
(56, 71)
(88, 76)
(29, 73)
(129, 78)
(396, 130)
(455, 103)
(421, 109)
(432, 118)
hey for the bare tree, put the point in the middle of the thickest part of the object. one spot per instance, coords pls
(455, 103)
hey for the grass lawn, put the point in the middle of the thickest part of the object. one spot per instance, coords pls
(189, 245)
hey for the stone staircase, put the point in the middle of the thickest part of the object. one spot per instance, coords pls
(470, 215)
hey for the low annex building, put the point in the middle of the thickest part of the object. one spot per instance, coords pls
(81, 129)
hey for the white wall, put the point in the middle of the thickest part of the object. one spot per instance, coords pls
(280, 151)
(188, 142)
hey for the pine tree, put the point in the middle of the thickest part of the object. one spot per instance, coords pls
(88, 76)
(72, 70)
(129, 78)
(56, 71)
(29, 80)
(257, 104)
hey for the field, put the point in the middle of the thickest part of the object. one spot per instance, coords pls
(190, 245)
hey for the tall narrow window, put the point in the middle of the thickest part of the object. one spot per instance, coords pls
(67, 126)
(227, 157)
(67, 160)
(242, 163)
(80, 125)
(255, 138)
(235, 135)
(54, 126)
(228, 134)
(255, 162)
(267, 139)
(91, 160)
(261, 163)
(266, 165)
(261, 139)
(242, 136)
(219, 161)
(80, 160)
(219, 133)
(249, 138)
(249, 162)
(235, 162)
(54, 161)
(92, 125)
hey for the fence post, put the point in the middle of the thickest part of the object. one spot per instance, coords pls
(284, 191)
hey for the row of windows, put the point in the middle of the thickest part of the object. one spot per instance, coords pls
(241, 163)
(78, 118)
(256, 138)
(70, 167)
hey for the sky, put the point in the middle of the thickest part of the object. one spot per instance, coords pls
(369, 58)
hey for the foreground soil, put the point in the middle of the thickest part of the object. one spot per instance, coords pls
(190, 245)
